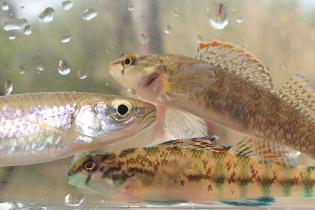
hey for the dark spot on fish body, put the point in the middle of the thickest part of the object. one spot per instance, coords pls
(151, 150)
(182, 183)
(196, 177)
(219, 181)
(127, 152)
(265, 185)
(209, 188)
(287, 186)
(110, 170)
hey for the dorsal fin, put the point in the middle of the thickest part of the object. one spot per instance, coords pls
(204, 143)
(235, 60)
(300, 94)
(267, 151)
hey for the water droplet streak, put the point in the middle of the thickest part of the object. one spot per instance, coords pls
(71, 201)
(5, 6)
(131, 7)
(8, 87)
(217, 16)
(67, 5)
(82, 74)
(144, 39)
(27, 30)
(15, 24)
(47, 15)
(89, 14)
(63, 67)
(65, 38)
(168, 29)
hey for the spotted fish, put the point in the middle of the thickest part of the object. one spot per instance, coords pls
(192, 170)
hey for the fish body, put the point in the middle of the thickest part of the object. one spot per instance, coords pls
(227, 86)
(193, 170)
(41, 127)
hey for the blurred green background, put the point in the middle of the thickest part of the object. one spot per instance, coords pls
(281, 34)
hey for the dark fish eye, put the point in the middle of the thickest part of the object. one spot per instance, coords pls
(122, 109)
(89, 165)
(128, 61)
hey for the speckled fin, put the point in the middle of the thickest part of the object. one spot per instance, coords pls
(235, 60)
(301, 95)
(204, 143)
(183, 125)
(267, 151)
(262, 201)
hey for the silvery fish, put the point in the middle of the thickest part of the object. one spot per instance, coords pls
(192, 170)
(41, 127)
(227, 86)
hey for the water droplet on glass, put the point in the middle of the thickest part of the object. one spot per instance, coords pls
(40, 68)
(239, 20)
(217, 16)
(131, 91)
(47, 15)
(176, 12)
(82, 74)
(89, 14)
(63, 67)
(131, 7)
(14, 24)
(12, 37)
(144, 39)
(5, 6)
(27, 30)
(8, 87)
(22, 70)
(168, 29)
(71, 201)
(106, 84)
(199, 39)
(67, 5)
(65, 38)
(6, 206)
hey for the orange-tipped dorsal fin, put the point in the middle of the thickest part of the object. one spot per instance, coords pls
(236, 60)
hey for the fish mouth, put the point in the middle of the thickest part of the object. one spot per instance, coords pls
(148, 80)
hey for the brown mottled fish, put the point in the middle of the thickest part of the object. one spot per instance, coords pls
(192, 170)
(225, 85)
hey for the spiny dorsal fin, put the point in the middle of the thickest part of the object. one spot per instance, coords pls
(235, 60)
(267, 151)
(204, 143)
(300, 94)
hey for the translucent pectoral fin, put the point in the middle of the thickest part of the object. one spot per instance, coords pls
(183, 125)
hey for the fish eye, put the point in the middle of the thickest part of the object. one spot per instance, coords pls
(89, 165)
(128, 61)
(122, 109)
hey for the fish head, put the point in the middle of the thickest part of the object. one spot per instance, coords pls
(111, 118)
(105, 175)
(152, 75)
